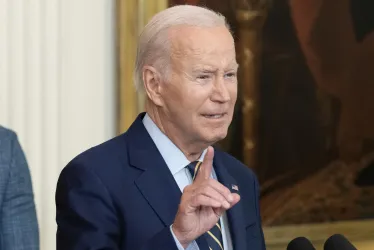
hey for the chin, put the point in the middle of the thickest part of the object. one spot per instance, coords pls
(217, 136)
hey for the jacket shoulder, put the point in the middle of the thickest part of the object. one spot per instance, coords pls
(7, 134)
(97, 157)
(7, 140)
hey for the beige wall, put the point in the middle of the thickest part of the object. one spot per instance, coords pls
(56, 87)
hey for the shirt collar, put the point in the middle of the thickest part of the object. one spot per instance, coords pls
(173, 156)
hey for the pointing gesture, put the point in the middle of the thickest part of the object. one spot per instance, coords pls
(206, 167)
(202, 203)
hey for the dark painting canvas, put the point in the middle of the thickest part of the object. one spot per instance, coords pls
(317, 124)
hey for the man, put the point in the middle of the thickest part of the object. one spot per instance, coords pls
(18, 222)
(147, 188)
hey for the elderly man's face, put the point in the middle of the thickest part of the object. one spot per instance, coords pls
(201, 91)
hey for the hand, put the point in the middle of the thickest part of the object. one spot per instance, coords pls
(202, 204)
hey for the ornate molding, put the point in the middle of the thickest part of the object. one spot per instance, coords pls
(250, 16)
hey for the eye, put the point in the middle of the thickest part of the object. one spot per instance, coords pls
(203, 77)
(230, 75)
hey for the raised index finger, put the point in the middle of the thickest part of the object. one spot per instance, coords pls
(205, 169)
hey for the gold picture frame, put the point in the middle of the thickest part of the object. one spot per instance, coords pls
(131, 17)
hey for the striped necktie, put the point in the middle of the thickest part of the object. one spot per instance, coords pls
(214, 235)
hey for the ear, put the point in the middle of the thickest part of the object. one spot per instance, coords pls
(152, 84)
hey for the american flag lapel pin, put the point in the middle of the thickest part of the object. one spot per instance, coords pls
(234, 187)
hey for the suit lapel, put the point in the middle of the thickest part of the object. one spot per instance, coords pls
(156, 183)
(235, 214)
(159, 188)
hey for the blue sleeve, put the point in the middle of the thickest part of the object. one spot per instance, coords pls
(86, 216)
(18, 225)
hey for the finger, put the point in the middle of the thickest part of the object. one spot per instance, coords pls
(214, 194)
(236, 199)
(205, 169)
(203, 200)
(219, 211)
(224, 191)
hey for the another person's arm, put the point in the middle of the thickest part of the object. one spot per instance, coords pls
(18, 222)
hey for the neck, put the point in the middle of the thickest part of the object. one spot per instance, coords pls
(192, 150)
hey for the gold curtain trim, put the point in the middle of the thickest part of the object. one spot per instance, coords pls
(132, 15)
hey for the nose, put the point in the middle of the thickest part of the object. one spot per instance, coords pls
(220, 92)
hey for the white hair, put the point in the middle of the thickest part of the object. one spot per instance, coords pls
(153, 46)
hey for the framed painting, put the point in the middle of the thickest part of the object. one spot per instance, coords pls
(303, 120)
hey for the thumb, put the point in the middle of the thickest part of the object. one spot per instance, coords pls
(206, 167)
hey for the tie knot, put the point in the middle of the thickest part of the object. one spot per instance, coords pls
(193, 167)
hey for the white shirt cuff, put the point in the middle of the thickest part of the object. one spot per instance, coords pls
(192, 246)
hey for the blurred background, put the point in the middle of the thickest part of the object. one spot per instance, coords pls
(303, 119)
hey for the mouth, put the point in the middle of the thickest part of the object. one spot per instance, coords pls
(214, 116)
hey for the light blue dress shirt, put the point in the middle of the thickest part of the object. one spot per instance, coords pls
(177, 162)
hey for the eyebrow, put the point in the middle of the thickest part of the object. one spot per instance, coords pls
(234, 66)
(204, 69)
(212, 69)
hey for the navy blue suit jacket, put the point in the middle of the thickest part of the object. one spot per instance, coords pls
(120, 195)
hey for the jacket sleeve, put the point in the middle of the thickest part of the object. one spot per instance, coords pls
(87, 218)
(18, 222)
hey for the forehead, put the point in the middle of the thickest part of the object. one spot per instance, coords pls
(202, 45)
